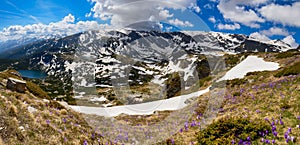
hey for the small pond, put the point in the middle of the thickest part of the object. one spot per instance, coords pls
(32, 74)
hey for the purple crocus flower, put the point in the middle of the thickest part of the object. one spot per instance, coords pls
(248, 138)
(273, 128)
(64, 120)
(267, 141)
(233, 142)
(47, 121)
(289, 130)
(286, 134)
(267, 132)
(281, 122)
(240, 142)
(267, 119)
(85, 142)
(275, 133)
(287, 140)
(273, 141)
(172, 141)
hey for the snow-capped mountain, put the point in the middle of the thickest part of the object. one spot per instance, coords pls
(129, 57)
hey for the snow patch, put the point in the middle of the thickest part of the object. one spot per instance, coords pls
(250, 64)
(101, 99)
(141, 109)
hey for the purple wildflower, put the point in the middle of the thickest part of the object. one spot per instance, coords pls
(233, 142)
(289, 130)
(281, 122)
(286, 134)
(273, 141)
(267, 132)
(186, 125)
(240, 142)
(172, 141)
(48, 121)
(248, 138)
(273, 128)
(298, 117)
(287, 140)
(64, 120)
(267, 141)
(85, 142)
(275, 133)
(262, 139)
(267, 119)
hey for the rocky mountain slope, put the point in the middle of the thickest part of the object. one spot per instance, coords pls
(129, 58)
(266, 103)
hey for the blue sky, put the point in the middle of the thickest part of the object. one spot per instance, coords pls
(262, 19)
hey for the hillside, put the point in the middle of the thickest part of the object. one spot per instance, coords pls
(266, 103)
(140, 60)
(30, 118)
(262, 108)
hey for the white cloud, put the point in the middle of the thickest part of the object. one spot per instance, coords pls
(235, 11)
(125, 12)
(229, 26)
(275, 31)
(212, 19)
(164, 14)
(291, 41)
(61, 28)
(284, 14)
(178, 22)
(194, 7)
(259, 36)
(208, 6)
(68, 19)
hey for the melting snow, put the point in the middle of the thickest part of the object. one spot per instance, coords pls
(101, 99)
(250, 64)
(141, 109)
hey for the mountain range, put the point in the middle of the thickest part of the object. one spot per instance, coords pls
(128, 57)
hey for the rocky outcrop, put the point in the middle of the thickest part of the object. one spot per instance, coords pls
(16, 85)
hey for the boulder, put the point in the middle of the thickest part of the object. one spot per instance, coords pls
(16, 85)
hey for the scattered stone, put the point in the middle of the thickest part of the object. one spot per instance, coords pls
(46, 100)
(31, 109)
(65, 104)
(22, 128)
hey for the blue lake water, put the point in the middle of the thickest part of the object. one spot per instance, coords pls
(32, 74)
